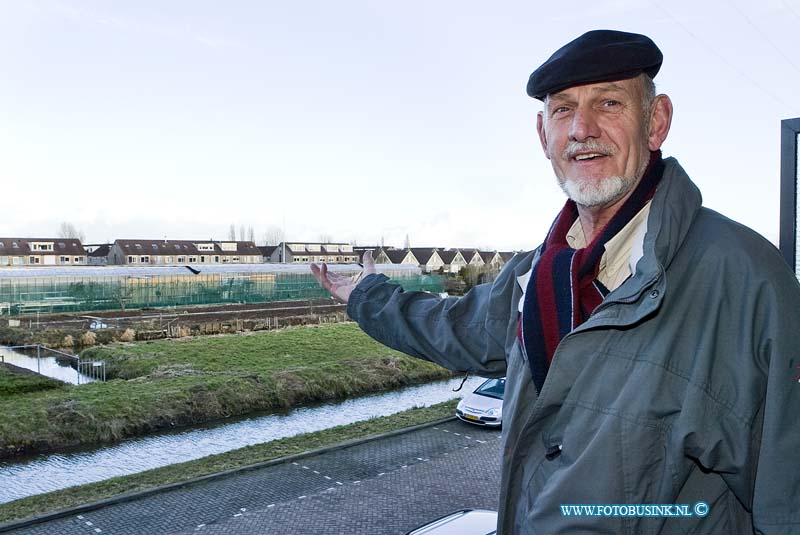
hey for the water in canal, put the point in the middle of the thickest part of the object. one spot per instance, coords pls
(45, 365)
(44, 473)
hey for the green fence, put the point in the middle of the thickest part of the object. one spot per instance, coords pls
(23, 295)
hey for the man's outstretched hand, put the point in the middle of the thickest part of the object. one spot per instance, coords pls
(340, 286)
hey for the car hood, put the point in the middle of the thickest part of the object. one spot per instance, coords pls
(482, 403)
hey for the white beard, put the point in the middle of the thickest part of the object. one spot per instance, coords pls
(598, 192)
(594, 192)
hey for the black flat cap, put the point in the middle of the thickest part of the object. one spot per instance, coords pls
(596, 56)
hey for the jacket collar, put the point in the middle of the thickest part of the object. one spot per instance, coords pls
(674, 207)
(672, 211)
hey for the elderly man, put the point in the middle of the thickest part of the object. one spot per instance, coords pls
(650, 344)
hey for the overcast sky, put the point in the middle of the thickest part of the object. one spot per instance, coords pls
(356, 120)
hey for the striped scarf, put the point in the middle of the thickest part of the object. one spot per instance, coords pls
(563, 289)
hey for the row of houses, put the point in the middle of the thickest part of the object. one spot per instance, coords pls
(42, 252)
(438, 259)
(64, 252)
(430, 259)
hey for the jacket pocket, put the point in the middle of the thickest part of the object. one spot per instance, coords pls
(549, 463)
(644, 470)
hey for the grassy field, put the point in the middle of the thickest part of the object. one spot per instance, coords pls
(73, 496)
(14, 380)
(168, 383)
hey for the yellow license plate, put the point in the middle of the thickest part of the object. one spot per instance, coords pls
(471, 417)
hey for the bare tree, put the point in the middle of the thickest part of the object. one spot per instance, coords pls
(251, 234)
(122, 294)
(232, 232)
(241, 233)
(68, 230)
(273, 235)
(325, 238)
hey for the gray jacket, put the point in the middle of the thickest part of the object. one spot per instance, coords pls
(681, 387)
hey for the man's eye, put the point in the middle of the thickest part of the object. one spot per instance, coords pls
(611, 103)
(560, 109)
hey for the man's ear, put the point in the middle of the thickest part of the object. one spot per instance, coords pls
(540, 130)
(660, 121)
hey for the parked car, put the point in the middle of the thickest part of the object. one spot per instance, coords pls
(484, 406)
(464, 522)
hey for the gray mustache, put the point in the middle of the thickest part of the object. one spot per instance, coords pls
(575, 147)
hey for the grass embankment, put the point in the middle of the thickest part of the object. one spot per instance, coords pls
(63, 499)
(168, 383)
(15, 380)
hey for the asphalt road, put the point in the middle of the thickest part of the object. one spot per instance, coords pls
(385, 486)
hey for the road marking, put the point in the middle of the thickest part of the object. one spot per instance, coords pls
(339, 483)
(300, 497)
(200, 526)
(271, 505)
(305, 467)
(382, 473)
(88, 523)
(316, 472)
(237, 514)
(327, 477)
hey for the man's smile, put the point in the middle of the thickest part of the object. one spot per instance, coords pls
(588, 156)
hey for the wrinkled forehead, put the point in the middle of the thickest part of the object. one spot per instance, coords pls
(627, 88)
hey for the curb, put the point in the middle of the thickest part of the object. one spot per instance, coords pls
(132, 496)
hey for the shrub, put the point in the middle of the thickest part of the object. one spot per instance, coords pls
(68, 341)
(128, 336)
(88, 339)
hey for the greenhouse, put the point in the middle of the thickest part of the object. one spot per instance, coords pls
(90, 288)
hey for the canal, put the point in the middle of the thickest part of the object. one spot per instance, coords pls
(45, 364)
(27, 476)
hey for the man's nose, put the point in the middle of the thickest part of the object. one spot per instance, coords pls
(584, 125)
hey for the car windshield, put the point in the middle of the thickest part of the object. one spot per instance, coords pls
(492, 388)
